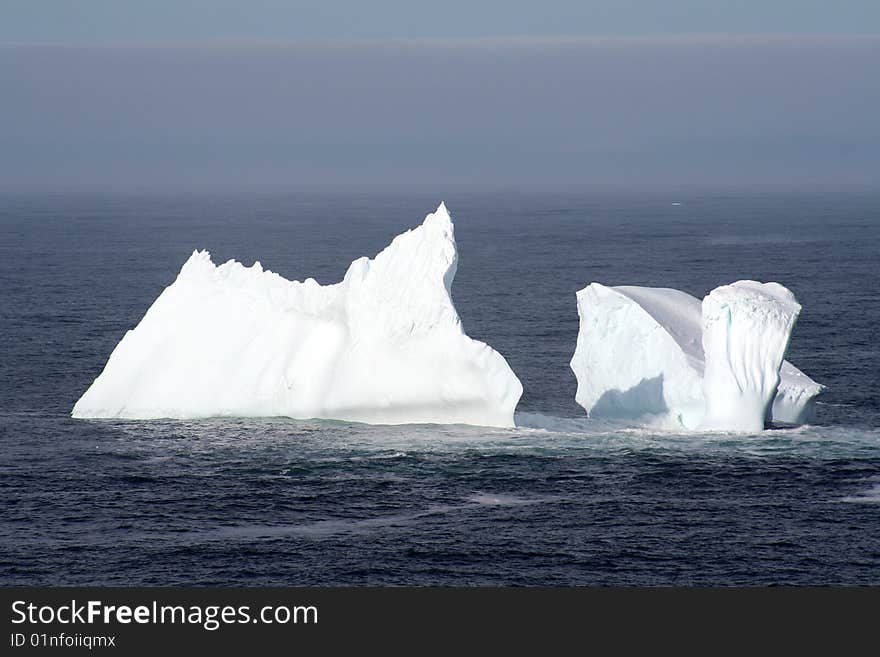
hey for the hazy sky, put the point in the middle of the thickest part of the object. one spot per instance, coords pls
(53, 21)
(185, 94)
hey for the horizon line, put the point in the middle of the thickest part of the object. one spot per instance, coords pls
(523, 41)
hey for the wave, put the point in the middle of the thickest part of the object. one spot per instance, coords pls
(870, 496)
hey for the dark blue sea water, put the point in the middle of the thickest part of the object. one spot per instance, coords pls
(561, 500)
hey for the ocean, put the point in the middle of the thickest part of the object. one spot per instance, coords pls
(560, 500)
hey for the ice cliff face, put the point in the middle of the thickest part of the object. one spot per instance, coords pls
(660, 355)
(384, 346)
(746, 328)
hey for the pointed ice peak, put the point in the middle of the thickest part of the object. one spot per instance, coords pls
(198, 262)
(440, 218)
(199, 254)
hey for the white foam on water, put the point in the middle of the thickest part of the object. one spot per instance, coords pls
(870, 496)
(496, 499)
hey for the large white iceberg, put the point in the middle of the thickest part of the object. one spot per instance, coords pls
(384, 346)
(660, 355)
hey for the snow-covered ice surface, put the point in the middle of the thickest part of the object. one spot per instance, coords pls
(661, 356)
(384, 346)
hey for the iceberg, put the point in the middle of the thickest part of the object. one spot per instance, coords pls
(661, 356)
(384, 346)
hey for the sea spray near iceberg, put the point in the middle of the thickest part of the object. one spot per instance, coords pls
(661, 356)
(384, 346)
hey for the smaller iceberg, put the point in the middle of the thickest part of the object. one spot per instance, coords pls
(383, 346)
(661, 356)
